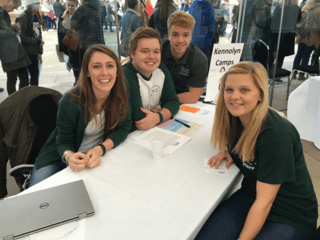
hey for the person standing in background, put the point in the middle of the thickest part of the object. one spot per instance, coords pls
(37, 23)
(130, 22)
(141, 9)
(13, 57)
(149, 7)
(204, 28)
(225, 14)
(309, 39)
(63, 27)
(235, 17)
(186, 6)
(110, 15)
(86, 19)
(160, 15)
(58, 9)
(103, 12)
(31, 44)
(143, 13)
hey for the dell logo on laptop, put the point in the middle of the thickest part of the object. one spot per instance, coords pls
(44, 205)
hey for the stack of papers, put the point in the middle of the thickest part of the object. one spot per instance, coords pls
(172, 141)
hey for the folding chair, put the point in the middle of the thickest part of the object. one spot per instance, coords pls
(311, 70)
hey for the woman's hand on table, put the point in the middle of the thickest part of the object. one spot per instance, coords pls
(217, 159)
(93, 157)
(77, 161)
(149, 121)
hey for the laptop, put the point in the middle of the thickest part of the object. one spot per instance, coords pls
(37, 211)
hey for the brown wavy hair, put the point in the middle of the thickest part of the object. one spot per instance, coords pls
(225, 125)
(116, 105)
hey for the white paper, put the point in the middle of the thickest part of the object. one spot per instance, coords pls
(172, 141)
(221, 170)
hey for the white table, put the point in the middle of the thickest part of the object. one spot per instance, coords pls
(304, 110)
(136, 197)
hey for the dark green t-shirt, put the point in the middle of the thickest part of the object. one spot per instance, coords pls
(279, 160)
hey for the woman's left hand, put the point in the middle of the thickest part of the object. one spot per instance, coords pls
(93, 156)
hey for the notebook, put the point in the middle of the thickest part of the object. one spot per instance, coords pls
(37, 211)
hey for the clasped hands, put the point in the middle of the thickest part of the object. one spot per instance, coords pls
(217, 159)
(151, 119)
(78, 161)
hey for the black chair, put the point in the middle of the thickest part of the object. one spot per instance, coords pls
(27, 118)
(311, 70)
(43, 112)
(260, 51)
(289, 20)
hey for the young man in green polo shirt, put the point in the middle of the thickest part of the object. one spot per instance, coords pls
(185, 61)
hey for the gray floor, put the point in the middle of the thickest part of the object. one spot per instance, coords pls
(54, 75)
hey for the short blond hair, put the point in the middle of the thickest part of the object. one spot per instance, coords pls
(181, 19)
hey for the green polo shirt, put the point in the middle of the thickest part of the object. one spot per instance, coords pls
(190, 71)
(279, 160)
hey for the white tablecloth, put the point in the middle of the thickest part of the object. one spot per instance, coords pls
(304, 110)
(137, 197)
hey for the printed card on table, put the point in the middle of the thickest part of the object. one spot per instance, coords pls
(178, 127)
(221, 170)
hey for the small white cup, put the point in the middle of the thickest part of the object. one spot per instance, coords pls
(156, 147)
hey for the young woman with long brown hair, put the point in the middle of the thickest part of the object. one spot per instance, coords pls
(92, 118)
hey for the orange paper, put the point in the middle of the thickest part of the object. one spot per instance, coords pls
(189, 109)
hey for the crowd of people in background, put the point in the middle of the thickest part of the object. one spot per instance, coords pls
(211, 20)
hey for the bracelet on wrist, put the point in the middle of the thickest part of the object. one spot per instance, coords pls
(104, 150)
(161, 116)
(64, 156)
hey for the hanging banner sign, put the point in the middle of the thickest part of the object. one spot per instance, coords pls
(223, 56)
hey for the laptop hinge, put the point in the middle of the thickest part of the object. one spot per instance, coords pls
(82, 215)
(10, 237)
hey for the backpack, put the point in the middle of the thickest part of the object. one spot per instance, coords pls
(307, 23)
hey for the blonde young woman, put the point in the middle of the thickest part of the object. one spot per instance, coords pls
(276, 200)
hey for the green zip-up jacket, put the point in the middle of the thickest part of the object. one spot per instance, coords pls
(69, 132)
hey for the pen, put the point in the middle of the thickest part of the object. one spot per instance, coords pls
(184, 124)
